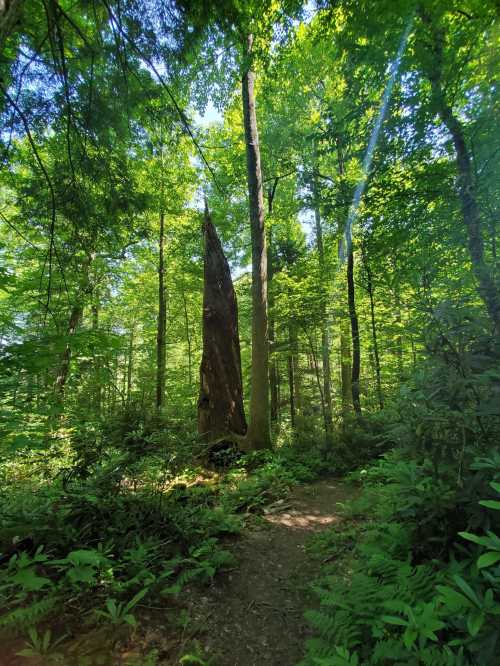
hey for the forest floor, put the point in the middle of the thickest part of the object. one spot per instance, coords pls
(253, 615)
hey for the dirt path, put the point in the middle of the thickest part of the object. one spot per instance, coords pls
(250, 616)
(253, 616)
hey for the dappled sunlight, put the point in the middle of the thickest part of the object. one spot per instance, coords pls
(304, 520)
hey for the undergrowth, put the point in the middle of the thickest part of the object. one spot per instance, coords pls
(404, 580)
(89, 541)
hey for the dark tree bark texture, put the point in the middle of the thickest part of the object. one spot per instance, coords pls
(220, 405)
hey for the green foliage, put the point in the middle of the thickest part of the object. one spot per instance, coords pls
(42, 646)
(384, 608)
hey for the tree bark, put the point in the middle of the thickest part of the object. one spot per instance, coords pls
(10, 15)
(345, 351)
(356, 347)
(220, 404)
(273, 370)
(76, 314)
(259, 428)
(130, 363)
(325, 341)
(487, 287)
(188, 339)
(376, 356)
(291, 388)
(161, 357)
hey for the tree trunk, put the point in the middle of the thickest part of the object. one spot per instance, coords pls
(259, 428)
(220, 404)
(10, 15)
(297, 384)
(161, 357)
(487, 287)
(345, 351)
(356, 349)
(188, 339)
(291, 388)
(75, 317)
(376, 356)
(399, 325)
(130, 363)
(273, 370)
(97, 370)
(325, 341)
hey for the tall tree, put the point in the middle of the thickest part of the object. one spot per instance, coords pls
(259, 435)
(433, 63)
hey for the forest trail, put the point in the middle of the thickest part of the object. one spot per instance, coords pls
(253, 615)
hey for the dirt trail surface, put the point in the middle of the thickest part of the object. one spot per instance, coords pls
(253, 616)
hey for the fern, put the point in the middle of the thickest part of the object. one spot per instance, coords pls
(18, 620)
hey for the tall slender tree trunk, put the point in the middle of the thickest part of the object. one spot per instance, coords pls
(399, 324)
(291, 387)
(188, 339)
(97, 397)
(161, 357)
(130, 364)
(487, 288)
(259, 428)
(345, 350)
(297, 379)
(325, 341)
(376, 356)
(273, 369)
(356, 347)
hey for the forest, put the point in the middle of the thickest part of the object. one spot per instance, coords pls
(249, 332)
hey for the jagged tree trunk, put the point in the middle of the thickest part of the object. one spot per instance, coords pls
(161, 357)
(356, 347)
(259, 428)
(220, 404)
(325, 341)
(487, 287)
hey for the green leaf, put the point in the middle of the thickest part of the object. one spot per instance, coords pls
(30, 581)
(490, 504)
(82, 574)
(481, 541)
(392, 619)
(474, 623)
(453, 598)
(467, 590)
(488, 559)
(409, 637)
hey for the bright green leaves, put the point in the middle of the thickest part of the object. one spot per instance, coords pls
(421, 622)
(491, 541)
